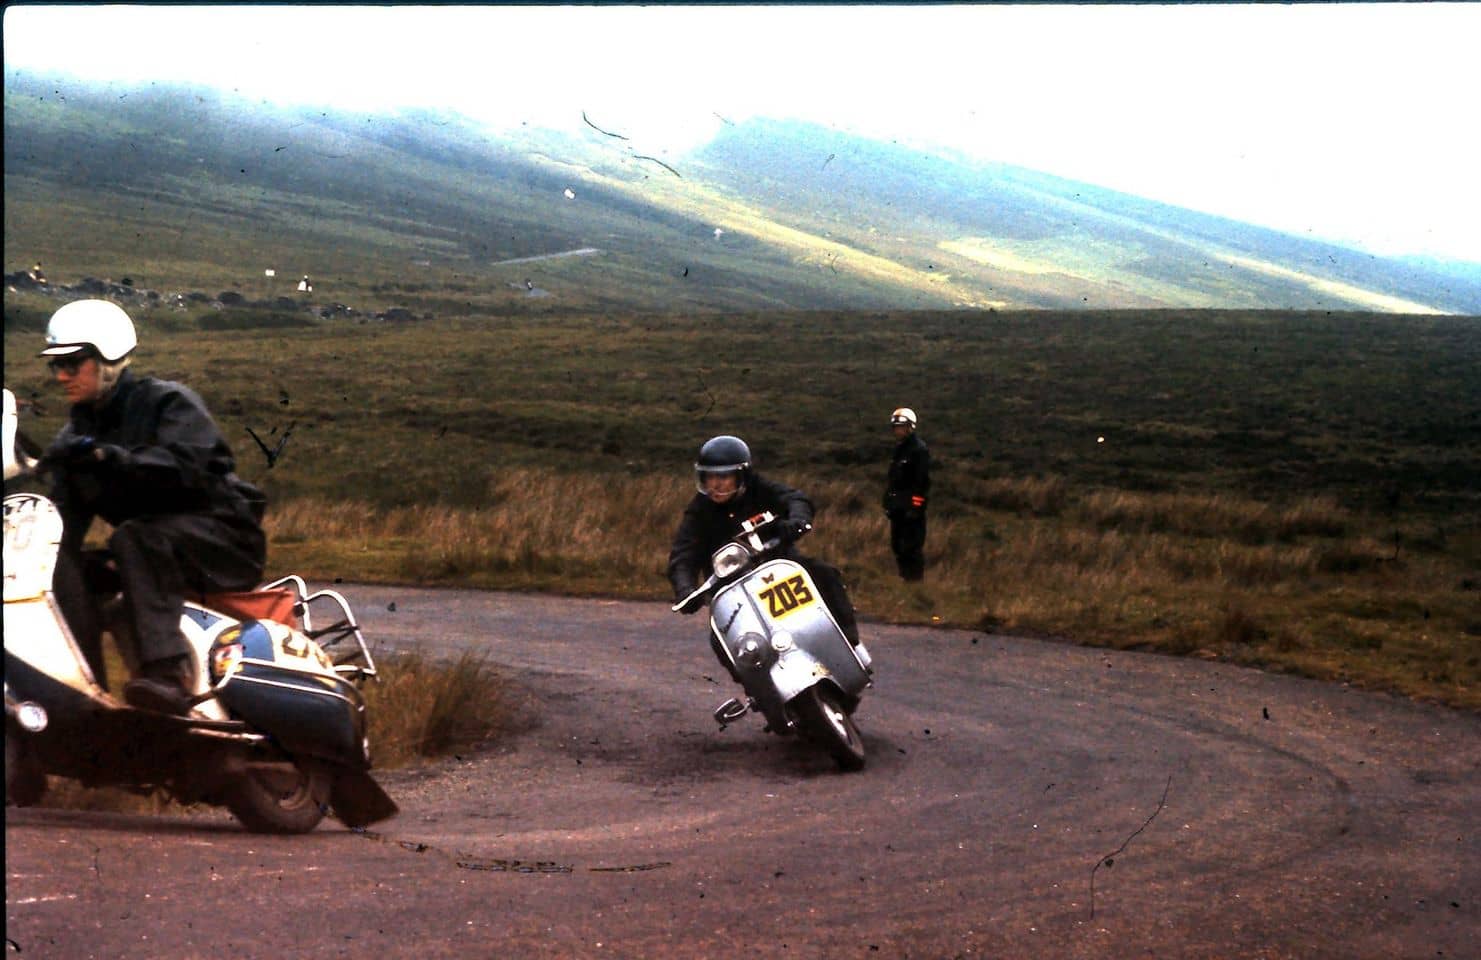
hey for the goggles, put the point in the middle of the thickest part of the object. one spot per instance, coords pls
(69, 363)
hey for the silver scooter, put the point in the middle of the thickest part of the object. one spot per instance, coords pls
(779, 638)
(276, 732)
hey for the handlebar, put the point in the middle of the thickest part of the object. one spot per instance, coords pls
(749, 540)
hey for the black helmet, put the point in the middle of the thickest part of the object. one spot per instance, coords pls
(723, 454)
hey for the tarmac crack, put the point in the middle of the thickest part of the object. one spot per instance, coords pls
(1109, 859)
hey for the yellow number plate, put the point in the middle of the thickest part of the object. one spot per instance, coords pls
(786, 596)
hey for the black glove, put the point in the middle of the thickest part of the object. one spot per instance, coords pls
(693, 606)
(72, 451)
(791, 531)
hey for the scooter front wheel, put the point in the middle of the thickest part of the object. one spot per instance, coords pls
(824, 721)
(279, 801)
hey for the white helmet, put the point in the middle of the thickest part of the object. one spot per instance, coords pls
(903, 415)
(99, 324)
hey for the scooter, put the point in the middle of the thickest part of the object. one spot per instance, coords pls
(276, 731)
(773, 631)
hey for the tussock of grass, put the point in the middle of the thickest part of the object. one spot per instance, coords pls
(423, 708)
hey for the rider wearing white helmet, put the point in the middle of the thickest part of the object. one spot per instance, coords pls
(905, 493)
(90, 330)
(145, 455)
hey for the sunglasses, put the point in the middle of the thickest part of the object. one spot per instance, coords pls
(69, 363)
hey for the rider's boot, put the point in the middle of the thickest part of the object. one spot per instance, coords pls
(164, 686)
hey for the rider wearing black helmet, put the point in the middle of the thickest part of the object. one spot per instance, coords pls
(731, 492)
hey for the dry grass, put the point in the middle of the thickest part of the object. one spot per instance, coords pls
(1305, 586)
(422, 708)
(588, 532)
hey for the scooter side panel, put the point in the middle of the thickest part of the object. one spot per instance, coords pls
(287, 690)
(303, 714)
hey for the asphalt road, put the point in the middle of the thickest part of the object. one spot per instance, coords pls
(1021, 799)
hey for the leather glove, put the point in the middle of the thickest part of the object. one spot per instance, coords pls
(72, 451)
(693, 606)
(792, 530)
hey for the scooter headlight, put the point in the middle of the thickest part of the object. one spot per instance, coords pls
(729, 559)
(31, 717)
(754, 651)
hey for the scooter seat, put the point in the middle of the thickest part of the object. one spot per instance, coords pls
(277, 604)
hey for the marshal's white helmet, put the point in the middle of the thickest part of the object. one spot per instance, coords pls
(99, 324)
(903, 415)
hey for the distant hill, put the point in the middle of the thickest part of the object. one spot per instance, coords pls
(1044, 224)
(196, 187)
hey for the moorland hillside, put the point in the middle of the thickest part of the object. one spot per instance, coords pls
(193, 187)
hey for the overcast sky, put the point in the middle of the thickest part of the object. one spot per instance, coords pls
(1351, 122)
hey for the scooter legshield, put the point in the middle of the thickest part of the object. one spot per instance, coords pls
(780, 596)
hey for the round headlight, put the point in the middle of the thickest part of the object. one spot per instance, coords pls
(753, 651)
(728, 559)
(31, 716)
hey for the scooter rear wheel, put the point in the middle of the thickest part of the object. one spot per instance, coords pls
(274, 802)
(824, 721)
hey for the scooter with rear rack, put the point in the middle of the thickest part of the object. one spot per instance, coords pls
(277, 727)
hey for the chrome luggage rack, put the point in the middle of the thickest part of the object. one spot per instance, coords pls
(354, 662)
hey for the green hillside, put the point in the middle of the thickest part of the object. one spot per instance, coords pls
(1053, 242)
(193, 188)
(183, 190)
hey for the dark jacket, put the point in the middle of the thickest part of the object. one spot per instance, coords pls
(707, 525)
(910, 476)
(165, 455)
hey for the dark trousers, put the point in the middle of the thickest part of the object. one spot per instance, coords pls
(835, 595)
(158, 561)
(908, 541)
(79, 583)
